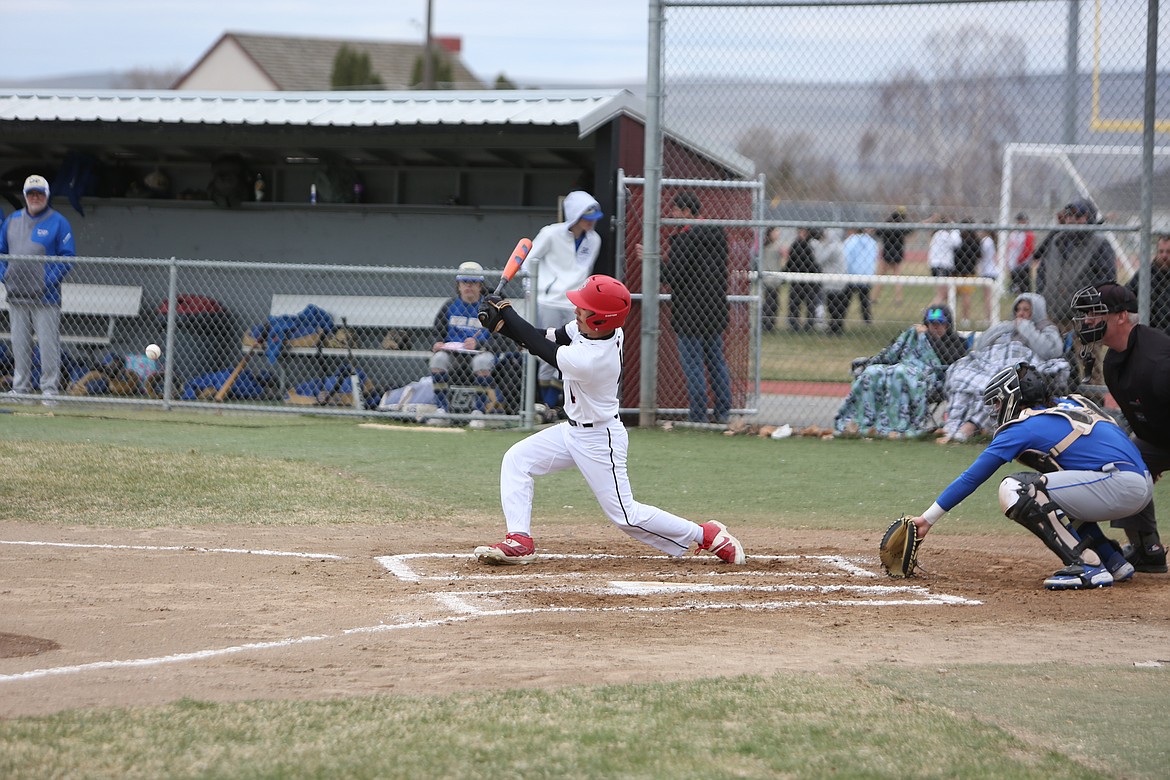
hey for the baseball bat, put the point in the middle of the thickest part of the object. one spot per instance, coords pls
(519, 254)
(235, 374)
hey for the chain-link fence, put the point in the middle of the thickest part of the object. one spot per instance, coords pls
(274, 336)
(923, 161)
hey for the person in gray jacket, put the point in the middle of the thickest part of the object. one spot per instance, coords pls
(34, 288)
(1029, 337)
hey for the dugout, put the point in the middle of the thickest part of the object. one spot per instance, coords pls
(407, 179)
(402, 178)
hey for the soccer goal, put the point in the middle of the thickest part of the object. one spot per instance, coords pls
(1038, 179)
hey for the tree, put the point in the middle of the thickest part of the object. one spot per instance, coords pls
(938, 135)
(148, 78)
(791, 170)
(351, 70)
(503, 82)
(441, 68)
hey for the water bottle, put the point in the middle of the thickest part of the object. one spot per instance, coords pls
(312, 193)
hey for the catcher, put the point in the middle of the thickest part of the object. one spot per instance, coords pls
(1091, 473)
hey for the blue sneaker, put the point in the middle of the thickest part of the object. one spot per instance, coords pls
(1079, 576)
(1115, 562)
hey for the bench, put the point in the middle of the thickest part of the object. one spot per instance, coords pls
(412, 314)
(93, 301)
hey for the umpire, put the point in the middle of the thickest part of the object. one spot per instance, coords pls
(1137, 373)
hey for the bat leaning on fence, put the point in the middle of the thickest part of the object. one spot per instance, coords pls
(226, 387)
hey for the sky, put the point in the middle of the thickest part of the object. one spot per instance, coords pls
(550, 41)
(604, 40)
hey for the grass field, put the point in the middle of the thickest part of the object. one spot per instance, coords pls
(144, 470)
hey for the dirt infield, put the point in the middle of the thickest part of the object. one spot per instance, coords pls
(96, 617)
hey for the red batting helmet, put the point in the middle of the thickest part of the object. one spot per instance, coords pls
(607, 299)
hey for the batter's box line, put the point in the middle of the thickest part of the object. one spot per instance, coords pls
(456, 600)
(176, 548)
(400, 567)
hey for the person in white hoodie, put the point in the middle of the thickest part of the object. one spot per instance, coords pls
(566, 252)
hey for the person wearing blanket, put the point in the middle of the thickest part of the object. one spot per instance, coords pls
(1030, 337)
(892, 391)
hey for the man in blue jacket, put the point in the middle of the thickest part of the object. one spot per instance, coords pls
(34, 287)
(1090, 473)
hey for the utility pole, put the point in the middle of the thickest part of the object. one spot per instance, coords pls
(428, 56)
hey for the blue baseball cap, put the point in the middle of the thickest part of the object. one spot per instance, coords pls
(936, 314)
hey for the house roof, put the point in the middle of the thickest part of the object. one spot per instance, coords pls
(298, 64)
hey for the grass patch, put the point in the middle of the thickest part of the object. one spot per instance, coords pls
(783, 726)
(1112, 717)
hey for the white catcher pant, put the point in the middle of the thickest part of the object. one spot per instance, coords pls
(600, 455)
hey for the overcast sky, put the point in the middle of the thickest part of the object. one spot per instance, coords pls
(545, 41)
(601, 40)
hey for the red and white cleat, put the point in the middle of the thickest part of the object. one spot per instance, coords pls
(717, 540)
(516, 548)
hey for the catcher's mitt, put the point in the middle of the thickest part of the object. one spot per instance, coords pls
(899, 548)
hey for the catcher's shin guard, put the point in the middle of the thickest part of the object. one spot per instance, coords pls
(1022, 498)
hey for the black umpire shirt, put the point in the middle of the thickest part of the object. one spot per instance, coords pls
(1139, 380)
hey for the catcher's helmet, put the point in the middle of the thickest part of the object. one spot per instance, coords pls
(1108, 298)
(1014, 389)
(607, 300)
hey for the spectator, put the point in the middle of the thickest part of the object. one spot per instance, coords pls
(861, 259)
(34, 287)
(830, 256)
(893, 251)
(462, 343)
(1028, 338)
(988, 268)
(940, 255)
(892, 393)
(566, 252)
(1072, 261)
(1018, 255)
(966, 266)
(696, 273)
(803, 297)
(1159, 287)
(1137, 372)
(771, 260)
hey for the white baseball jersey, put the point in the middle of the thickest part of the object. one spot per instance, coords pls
(592, 373)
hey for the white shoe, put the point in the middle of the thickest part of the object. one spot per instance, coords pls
(477, 420)
(438, 422)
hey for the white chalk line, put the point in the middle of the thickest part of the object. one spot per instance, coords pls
(181, 548)
(400, 567)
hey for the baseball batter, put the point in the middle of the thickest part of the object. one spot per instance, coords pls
(1092, 473)
(588, 353)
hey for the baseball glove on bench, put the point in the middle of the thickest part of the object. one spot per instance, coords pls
(899, 548)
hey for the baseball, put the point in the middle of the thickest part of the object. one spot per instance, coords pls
(153, 351)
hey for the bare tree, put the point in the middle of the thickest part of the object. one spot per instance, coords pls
(148, 78)
(792, 170)
(938, 134)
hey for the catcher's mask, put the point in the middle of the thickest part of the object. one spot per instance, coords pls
(607, 300)
(1013, 390)
(1097, 302)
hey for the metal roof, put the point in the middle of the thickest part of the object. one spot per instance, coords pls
(587, 109)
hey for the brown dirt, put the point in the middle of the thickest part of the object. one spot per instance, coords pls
(365, 630)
